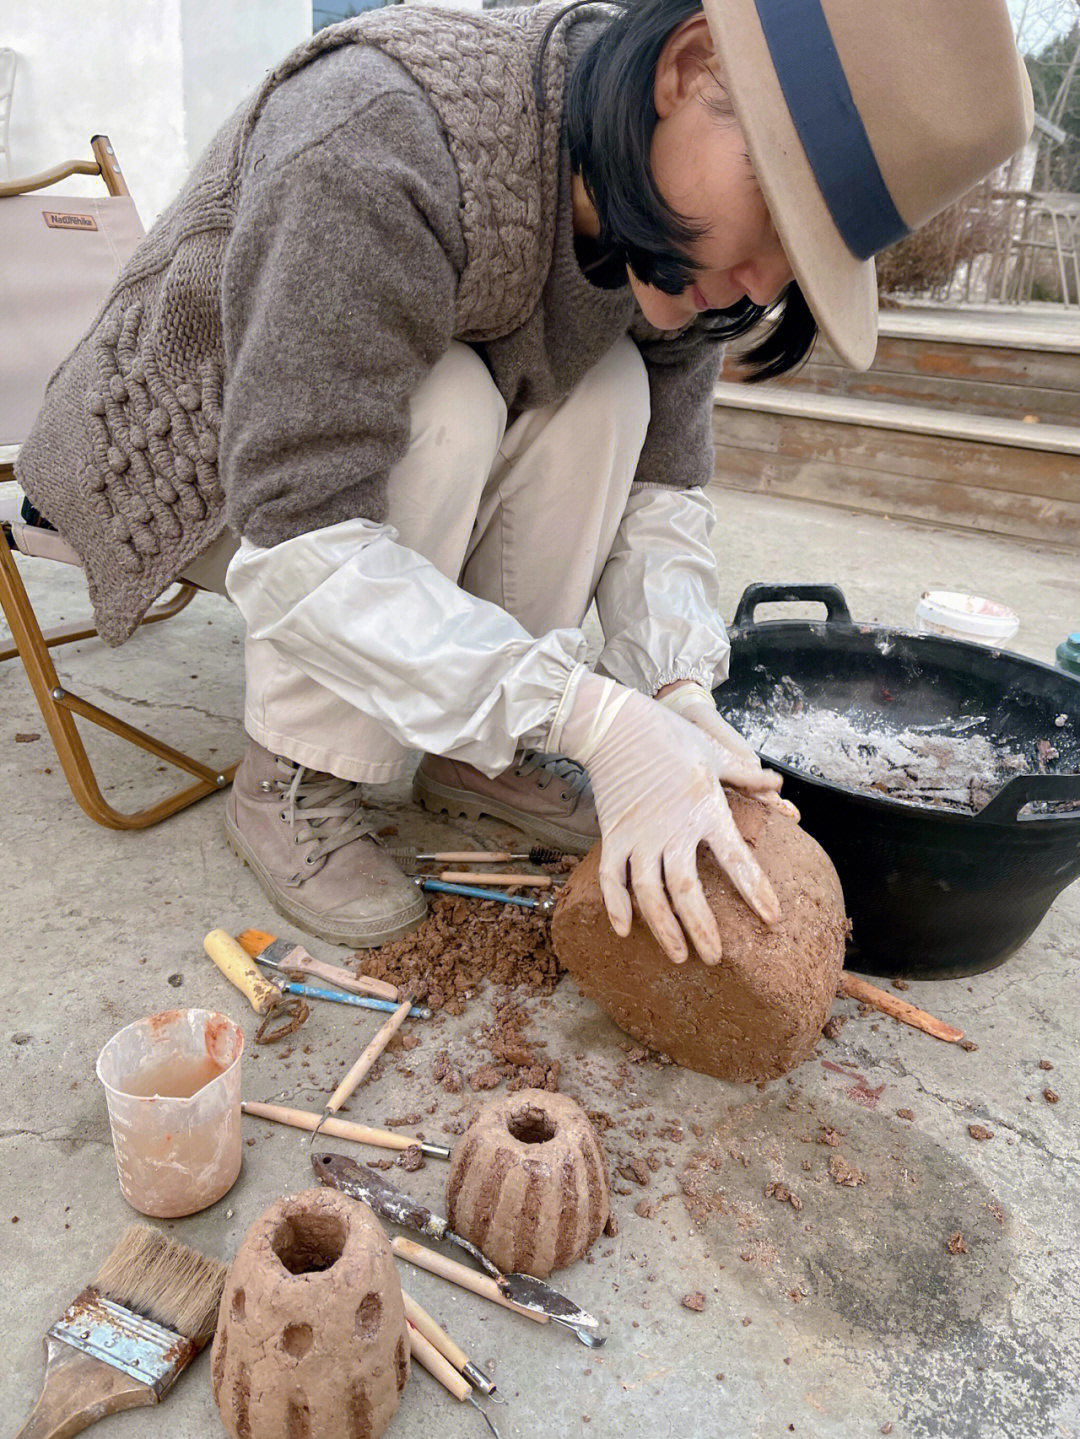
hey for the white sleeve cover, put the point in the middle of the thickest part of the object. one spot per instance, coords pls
(381, 627)
(659, 593)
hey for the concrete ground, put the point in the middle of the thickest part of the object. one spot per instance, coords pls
(848, 1317)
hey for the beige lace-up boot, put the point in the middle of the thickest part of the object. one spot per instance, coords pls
(545, 795)
(306, 838)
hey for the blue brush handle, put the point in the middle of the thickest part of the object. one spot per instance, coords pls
(339, 996)
(471, 892)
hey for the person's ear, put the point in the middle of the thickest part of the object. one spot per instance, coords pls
(686, 63)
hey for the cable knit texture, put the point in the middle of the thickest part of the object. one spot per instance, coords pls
(123, 456)
(254, 362)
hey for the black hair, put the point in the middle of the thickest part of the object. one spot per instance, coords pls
(610, 117)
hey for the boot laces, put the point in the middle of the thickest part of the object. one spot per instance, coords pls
(574, 777)
(322, 808)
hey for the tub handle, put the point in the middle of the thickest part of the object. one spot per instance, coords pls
(831, 596)
(1010, 799)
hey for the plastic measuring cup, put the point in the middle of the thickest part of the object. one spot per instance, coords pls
(172, 1082)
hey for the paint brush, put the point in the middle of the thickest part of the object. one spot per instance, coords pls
(127, 1338)
(293, 958)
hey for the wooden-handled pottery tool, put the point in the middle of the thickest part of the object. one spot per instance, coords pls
(439, 1367)
(338, 996)
(129, 1335)
(435, 1334)
(370, 1054)
(527, 1292)
(266, 999)
(544, 905)
(342, 1129)
(294, 959)
(539, 854)
(466, 876)
(481, 1285)
(432, 1347)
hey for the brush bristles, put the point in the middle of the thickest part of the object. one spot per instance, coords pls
(165, 1281)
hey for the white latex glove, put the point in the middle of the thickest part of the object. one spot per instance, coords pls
(695, 703)
(656, 780)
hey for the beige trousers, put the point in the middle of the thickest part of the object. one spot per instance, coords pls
(523, 516)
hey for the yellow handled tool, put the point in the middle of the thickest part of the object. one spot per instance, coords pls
(241, 970)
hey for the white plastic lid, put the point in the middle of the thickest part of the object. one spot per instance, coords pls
(968, 616)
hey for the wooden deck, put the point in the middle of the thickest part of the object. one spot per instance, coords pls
(965, 419)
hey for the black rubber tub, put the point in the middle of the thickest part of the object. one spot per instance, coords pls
(932, 894)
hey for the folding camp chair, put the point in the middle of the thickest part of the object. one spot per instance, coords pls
(61, 257)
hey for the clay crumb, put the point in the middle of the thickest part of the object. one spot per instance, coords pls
(997, 1210)
(905, 1114)
(611, 1228)
(980, 1131)
(1051, 1096)
(829, 1136)
(1045, 1064)
(412, 1159)
(832, 1027)
(404, 1121)
(26, 736)
(403, 1041)
(845, 1174)
(775, 1190)
(887, 1427)
(643, 1209)
(956, 1243)
(486, 1077)
(900, 984)
(694, 1302)
(463, 942)
(635, 1171)
(969, 1045)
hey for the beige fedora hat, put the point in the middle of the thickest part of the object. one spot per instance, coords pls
(863, 119)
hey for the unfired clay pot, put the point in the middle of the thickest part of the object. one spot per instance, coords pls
(528, 1182)
(756, 1014)
(311, 1340)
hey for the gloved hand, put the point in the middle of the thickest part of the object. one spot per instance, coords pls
(656, 780)
(695, 703)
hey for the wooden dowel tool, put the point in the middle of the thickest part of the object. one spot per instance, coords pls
(855, 988)
(366, 1060)
(464, 876)
(440, 1368)
(341, 1128)
(435, 1263)
(435, 1334)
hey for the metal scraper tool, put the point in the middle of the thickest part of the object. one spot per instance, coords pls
(357, 1180)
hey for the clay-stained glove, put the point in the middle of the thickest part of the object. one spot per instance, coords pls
(695, 703)
(656, 779)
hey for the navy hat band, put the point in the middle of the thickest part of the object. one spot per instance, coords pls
(829, 125)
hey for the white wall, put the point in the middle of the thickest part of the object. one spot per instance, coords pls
(157, 76)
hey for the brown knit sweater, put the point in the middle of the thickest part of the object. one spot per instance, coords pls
(393, 186)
